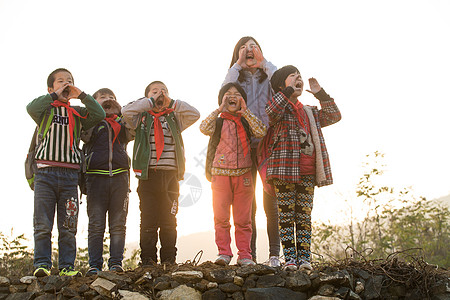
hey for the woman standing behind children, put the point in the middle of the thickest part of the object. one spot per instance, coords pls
(253, 72)
(298, 159)
(228, 167)
(158, 161)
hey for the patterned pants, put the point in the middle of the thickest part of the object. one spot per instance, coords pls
(295, 203)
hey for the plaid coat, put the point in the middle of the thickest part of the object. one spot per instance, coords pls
(285, 146)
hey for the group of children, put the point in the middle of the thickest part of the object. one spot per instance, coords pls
(260, 125)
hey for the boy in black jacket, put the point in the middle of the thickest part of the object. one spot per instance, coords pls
(107, 183)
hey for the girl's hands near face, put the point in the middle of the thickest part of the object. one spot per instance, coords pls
(257, 54)
(313, 85)
(242, 55)
(243, 106)
(224, 102)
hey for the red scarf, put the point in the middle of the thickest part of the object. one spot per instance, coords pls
(159, 135)
(240, 129)
(70, 111)
(301, 115)
(114, 125)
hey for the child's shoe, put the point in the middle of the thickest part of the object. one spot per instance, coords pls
(290, 265)
(223, 260)
(245, 262)
(92, 271)
(70, 271)
(274, 261)
(42, 271)
(116, 268)
(304, 265)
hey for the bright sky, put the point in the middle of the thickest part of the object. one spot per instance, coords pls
(386, 63)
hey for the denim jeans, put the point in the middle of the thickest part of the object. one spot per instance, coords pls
(158, 197)
(55, 188)
(271, 210)
(107, 195)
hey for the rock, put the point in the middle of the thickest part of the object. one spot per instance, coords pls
(4, 281)
(221, 275)
(335, 278)
(83, 288)
(214, 294)
(271, 280)
(35, 287)
(17, 288)
(397, 290)
(342, 292)
(362, 274)
(275, 293)
(229, 287)
(255, 269)
(372, 290)
(91, 294)
(326, 290)
(298, 281)
(237, 280)
(21, 296)
(4, 289)
(359, 287)
(249, 283)
(147, 277)
(69, 292)
(103, 287)
(212, 285)
(188, 276)
(182, 292)
(201, 286)
(353, 296)
(238, 296)
(163, 285)
(28, 279)
(46, 297)
(127, 295)
(323, 298)
(441, 287)
(53, 283)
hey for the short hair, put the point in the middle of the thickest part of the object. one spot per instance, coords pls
(147, 89)
(51, 77)
(279, 77)
(235, 57)
(229, 85)
(105, 91)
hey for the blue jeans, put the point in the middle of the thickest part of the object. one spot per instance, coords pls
(55, 188)
(107, 195)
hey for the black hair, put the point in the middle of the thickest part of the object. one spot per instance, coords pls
(147, 89)
(227, 86)
(105, 91)
(279, 77)
(235, 57)
(51, 77)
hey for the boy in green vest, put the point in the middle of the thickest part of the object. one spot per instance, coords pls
(158, 162)
(58, 159)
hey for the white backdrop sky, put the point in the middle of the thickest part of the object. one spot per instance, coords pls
(386, 63)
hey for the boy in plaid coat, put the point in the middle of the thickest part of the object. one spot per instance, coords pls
(298, 159)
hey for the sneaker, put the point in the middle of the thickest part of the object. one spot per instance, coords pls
(245, 262)
(290, 265)
(274, 261)
(223, 260)
(92, 271)
(116, 268)
(42, 271)
(69, 271)
(304, 265)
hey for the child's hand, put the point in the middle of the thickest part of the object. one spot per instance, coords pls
(67, 92)
(74, 92)
(293, 82)
(258, 56)
(161, 101)
(241, 58)
(243, 106)
(314, 86)
(222, 105)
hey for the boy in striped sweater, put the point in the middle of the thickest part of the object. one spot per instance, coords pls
(159, 164)
(58, 160)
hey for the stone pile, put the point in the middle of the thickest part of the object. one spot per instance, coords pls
(209, 281)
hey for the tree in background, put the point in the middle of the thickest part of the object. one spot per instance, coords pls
(392, 221)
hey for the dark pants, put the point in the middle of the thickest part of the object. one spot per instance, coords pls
(107, 195)
(159, 205)
(271, 210)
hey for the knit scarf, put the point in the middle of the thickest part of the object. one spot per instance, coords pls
(159, 135)
(114, 125)
(240, 129)
(70, 111)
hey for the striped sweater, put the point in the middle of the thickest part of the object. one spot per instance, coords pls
(55, 148)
